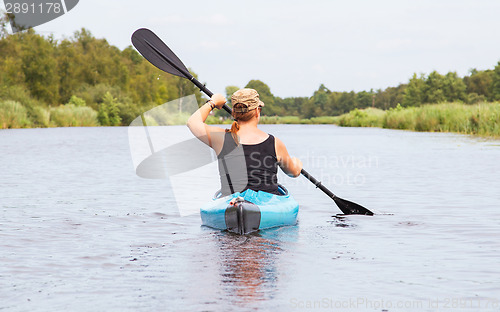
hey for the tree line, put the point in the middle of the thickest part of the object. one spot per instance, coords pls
(478, 86)
(83, 71)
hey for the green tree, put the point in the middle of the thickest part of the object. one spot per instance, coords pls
(476, 81)
(229, 92)
(415, 91)
(434, 89)
(454, 88)
(108, 114)
(84, 66)
(390, 97)
(40, 67)
(495, 85)
(318, 104)
(320, 101)
(479, 83)
(364, 99)
(78, 102)
(265, 96)
(308, 109)
(132, 55)
(346, 102)
(69, 66)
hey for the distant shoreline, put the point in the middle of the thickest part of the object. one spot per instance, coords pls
(481, 119)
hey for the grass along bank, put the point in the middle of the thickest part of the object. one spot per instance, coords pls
(480, 119)
(14, 115)
(279, 120)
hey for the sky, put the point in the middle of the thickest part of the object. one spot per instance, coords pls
(294, 46)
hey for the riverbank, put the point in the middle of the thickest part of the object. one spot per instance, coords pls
(282, 120)
(480, 119)
(15, 115)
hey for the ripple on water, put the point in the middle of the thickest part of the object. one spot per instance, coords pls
(79, 231)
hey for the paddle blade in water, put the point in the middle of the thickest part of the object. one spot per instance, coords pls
(158, 53)
(348, 207)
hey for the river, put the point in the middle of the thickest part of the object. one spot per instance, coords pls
(80, 231)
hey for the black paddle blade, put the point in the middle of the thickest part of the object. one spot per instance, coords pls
(158, 53)
(348, 207)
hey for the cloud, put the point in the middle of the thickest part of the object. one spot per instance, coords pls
(319, 68)
(210, 20)
(393, 44)
(218, 20)
(210, 45)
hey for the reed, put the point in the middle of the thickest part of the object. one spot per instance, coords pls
(40, 116)
(13, 115)
(370, 117)
(481, 119)
(281, 120)
(73, 116)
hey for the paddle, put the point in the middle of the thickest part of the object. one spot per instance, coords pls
(346, 206)
(160, 55)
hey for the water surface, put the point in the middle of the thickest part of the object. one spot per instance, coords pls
(80, 231)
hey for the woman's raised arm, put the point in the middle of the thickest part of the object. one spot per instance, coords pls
(196, 123)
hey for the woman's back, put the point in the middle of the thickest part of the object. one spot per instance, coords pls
(251, 135)
(248, 166)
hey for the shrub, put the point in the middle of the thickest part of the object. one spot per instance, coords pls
(40, 116)
(13, 115)
(109, 112)
(77, 101)
(72, 116)
(479, 119)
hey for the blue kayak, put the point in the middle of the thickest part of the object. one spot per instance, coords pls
(250, 211)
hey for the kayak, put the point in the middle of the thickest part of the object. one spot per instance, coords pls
(250, 211)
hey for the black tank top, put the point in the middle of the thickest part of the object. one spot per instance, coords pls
(250, 166)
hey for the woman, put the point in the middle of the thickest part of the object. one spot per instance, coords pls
(248, 157)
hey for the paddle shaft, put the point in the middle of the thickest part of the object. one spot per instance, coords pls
(317, 184)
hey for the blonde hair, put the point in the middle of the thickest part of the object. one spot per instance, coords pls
(240, 117)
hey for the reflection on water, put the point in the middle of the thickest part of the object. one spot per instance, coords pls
(247, 267)
(249, 264)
